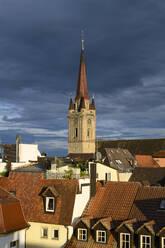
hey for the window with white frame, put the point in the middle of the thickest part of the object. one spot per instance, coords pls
(82, 234)
(49, 204)
(55, 234)
(163, 242)
(108, 176)
(145, 241)
(125, 240)
(101, 236)
(14, 244)
(44, 232)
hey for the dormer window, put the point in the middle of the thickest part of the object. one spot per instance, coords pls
(101, 236)
(145, 241)
(49, 195)
(82, 234)
(124, 240)
(118, 161)
(49, 204)
(163, 242)
(162, 204)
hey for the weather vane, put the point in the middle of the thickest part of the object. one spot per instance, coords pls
(82, 39)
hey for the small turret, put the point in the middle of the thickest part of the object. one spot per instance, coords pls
(71, 104)
(92, 105)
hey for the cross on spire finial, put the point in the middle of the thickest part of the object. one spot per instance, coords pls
(82, 39)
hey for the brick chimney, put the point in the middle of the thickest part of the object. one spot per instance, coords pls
(92, 180)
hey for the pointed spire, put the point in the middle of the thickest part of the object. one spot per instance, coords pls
(82, 88)
(92, 105)
(71, 104)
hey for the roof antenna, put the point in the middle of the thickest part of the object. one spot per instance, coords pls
(82, 39)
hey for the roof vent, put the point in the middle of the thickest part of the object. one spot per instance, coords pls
(98, 156)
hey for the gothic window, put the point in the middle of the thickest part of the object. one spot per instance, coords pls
(76, 132)
(88, 132)
(75, 121)
(89, 121)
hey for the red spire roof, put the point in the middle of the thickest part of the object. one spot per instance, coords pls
(82, 89)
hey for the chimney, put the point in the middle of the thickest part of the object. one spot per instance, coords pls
(18, 141)
(92, 180)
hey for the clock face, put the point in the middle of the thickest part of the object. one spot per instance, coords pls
(75, 121)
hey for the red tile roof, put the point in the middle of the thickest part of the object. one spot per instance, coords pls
(146, 161)
(120, 203)
(11, 214)
(115, 200)
(28, 187)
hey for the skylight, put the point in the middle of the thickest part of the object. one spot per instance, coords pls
(162, 204)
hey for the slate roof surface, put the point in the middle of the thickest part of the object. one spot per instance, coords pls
(32, 168)
(11, 215)
(28, 187)
(146, 161)
(146, 206)
(159, 154)
(139, 146)
(119, 159)
(149, 176)
(81, 157)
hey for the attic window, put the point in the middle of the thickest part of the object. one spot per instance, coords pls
(124, 240)
(49, 204)
(118, 161)
(101, 236)
(82, 234)
(162, 204)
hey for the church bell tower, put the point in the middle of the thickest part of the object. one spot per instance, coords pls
(81, 116)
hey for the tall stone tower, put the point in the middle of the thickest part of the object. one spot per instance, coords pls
(82, 117)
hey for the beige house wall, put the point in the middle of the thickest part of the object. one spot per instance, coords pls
(101, 171)
(124, 177)
(34, 237)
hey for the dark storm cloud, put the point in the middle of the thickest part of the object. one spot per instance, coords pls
(125, 59)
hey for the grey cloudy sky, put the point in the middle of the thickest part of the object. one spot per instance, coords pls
(39, 60)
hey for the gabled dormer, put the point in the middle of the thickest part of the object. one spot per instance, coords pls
(82, 229)
(146, 234)
(49, 195)
(101, 230)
